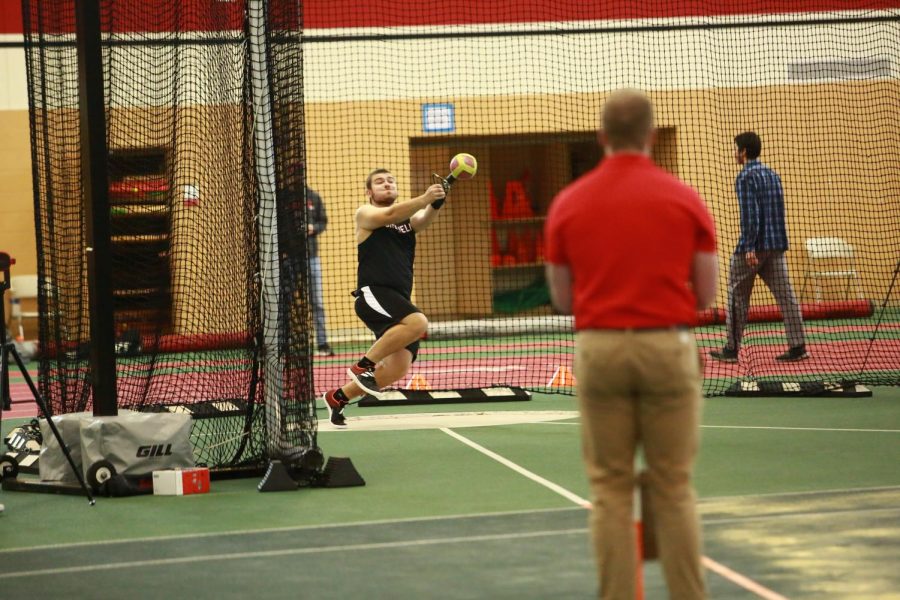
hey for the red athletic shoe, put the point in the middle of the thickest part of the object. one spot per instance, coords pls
(335, 408)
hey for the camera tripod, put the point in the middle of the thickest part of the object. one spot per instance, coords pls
(7, 350)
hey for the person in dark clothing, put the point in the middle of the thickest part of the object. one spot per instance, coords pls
(386, 247)
(317, 221)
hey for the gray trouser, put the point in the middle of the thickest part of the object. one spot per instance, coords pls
(772, 268)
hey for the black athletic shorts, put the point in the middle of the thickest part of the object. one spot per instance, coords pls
(380, 308)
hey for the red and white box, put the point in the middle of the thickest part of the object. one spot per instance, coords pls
(181, 482)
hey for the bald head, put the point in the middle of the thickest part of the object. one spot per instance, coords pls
(627, 121)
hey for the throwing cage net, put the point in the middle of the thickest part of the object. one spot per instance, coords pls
(520, 87)
(407, 86)
(204, 125)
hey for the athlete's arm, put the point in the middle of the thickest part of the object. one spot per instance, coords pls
(372, 217)
(423, 218)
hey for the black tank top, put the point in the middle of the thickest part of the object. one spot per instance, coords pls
(386, 258)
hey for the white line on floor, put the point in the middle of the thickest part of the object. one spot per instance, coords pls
(819, 514)
(288, 552)
(729, 574)
(779, 428)
(773, 428)
(293, 528)
(521, 470)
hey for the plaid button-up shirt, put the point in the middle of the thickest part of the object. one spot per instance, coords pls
(761, 200)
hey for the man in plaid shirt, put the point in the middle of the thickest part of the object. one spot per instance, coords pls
(760, 251)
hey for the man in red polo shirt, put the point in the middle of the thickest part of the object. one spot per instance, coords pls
(631, 252)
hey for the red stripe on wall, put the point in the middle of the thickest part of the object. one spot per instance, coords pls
(384, 13)
(10, 16)
(220, 15)
(145, 16)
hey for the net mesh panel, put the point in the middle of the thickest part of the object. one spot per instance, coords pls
(187, 219)
(408, 85)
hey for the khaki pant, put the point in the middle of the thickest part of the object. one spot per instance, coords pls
(641, 388)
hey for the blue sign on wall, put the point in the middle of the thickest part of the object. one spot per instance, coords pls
(438, 118)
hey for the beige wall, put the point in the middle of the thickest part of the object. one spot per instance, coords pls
(17, 205)
(822, 140)
(837, 158)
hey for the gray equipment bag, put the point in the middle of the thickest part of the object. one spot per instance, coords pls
(131, 443)
(138, 443)
(52, 465)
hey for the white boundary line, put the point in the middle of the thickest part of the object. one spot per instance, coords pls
(740, 580)
(799, 515)
(293, 528)
(718, 568)
(774, 428)
(521, 470)
(881, 488)
(288, 552)
(297, 528)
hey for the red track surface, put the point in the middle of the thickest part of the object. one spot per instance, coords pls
(755, 361)
(840, 358)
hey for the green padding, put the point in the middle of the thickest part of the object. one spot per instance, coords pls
(533, 295)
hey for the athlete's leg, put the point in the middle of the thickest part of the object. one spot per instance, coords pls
(398, 337)
(394, 367)
(388, 371)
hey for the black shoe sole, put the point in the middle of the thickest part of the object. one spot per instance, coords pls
(724, 359)
(331, 419)
(374, 392)
(792, 358)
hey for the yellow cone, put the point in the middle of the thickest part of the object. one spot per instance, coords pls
(562, 377)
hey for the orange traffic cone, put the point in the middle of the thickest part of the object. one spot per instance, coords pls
(516, 204)
(496, 253)
(525, 247)
(539, 246)
(418, 382)
(496, 212)
(562, 377)
(512, 245)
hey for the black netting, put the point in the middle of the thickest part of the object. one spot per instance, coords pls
(520, 87)
(196, 196)
(407, 86)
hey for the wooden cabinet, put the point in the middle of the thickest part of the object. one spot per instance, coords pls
(485, 256)
(525, 177)
(140, 197)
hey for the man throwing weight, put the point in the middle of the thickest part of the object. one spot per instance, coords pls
(386, 248)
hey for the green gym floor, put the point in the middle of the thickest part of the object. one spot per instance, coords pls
(800, 498)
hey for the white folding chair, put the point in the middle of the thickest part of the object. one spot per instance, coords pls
(830, 258)
(22, 287)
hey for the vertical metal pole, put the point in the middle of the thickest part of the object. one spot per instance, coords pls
(5, 397)
(95, 188)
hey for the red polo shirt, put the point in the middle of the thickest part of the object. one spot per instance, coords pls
(628, 232)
